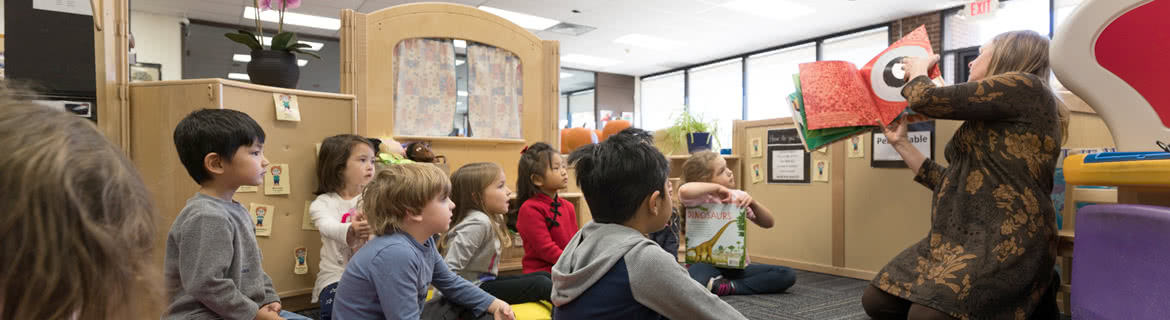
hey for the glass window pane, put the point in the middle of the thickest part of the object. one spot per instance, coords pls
(770, 80)
(662, 100)
(581, 106)
(857, 48)
(963, 32)
(716, 96)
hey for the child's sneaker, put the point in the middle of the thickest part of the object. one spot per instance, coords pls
(720, 286)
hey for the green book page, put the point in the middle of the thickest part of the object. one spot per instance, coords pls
(814, 139)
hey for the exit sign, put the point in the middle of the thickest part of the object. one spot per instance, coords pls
(981, 8)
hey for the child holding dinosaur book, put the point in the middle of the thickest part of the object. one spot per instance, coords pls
(707, 180)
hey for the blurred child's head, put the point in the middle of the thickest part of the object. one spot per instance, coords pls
(541, 169)
(408, 195)
(78, 228)
(708, 166)
(623, 177)
(345, 160)
(481, 186)
(223, 146)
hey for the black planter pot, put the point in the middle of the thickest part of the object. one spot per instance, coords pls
(277, 68)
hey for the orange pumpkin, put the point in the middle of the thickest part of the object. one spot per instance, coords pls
(574, 138)
(613, 127)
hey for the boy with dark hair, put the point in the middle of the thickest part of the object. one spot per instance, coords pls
(213, 263)
(610, 269)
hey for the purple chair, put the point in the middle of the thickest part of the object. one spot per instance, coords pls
(1121, 263)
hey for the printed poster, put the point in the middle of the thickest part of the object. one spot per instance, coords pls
(757, 148)
(856, 147)
(821, 171)
(757, 175)
(277, 180)
(302, 260)
(245, 189)
(287, 108)
(262, 218)
(787, 160)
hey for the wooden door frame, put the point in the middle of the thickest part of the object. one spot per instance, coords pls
(111, 58)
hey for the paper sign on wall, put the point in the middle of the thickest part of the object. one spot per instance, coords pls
(757, 175)
(263, 215)
(302, 260)
(67, 6)
(307, 218)
(821, 171)
(278, 180)
(920, 135)
(757, 148)
(287, 108)
(243, 189)
(856, 147)
(787, 160)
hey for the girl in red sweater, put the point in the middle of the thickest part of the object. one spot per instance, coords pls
(545, 221)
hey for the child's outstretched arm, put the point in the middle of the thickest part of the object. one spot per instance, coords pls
(692, 192)
(459, 290)
(762, 216)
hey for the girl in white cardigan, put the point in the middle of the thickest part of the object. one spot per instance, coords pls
(477, 235)
(344, 165)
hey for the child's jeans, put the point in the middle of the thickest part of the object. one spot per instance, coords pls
(755, 279)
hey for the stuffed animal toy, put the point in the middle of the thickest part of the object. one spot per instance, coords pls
(389, 151)
(421, 152)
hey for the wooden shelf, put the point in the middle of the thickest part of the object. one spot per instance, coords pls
(464, 140)
(1095, 195)
(687, 156)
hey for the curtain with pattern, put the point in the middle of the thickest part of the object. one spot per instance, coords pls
(495, 84)
(425, 93)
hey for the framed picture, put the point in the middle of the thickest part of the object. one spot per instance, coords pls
(143, 72)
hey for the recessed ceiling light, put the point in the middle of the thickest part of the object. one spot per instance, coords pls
(649, 42)
(239, 76)
(588, 60)
(523, 20)
(566, 75)
(313, 46)
(238, 57)
(242, 57)
(293, 18)
(775, 9)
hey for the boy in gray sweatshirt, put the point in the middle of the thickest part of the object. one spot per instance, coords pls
(610, 270)
(212, 264)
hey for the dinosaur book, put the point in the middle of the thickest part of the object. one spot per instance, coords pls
(715, 234)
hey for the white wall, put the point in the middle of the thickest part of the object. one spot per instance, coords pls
(158, 39)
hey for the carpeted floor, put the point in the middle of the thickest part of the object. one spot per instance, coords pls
(814, 297)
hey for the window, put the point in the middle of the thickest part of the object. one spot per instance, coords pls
(716, 96)
(963, 32)
(581, 109)
(857, 48)
(1061, 11)
(662, 100)
(769, 80)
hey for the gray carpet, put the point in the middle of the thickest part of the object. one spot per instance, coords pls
(815, 296)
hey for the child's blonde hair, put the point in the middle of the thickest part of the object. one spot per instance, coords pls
(399, 190)
(78, 228)
(467, 185)
(698, 167)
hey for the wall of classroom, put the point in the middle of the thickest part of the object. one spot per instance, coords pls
(862, 217)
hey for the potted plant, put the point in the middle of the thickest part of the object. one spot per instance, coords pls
(277, 65)
(690, 128)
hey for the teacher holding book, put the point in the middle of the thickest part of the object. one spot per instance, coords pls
(992, 242)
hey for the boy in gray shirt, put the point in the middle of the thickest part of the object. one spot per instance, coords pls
(213, 264)
(610, 270)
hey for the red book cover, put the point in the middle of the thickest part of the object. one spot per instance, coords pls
(837, 94)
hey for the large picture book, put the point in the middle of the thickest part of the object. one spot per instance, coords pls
(716, 234)
(838, 97)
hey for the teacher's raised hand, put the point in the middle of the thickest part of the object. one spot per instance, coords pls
(918, 66)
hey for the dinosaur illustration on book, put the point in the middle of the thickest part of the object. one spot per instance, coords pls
(703, 250)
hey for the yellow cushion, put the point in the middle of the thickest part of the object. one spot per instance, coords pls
(524, 311)
(533, 311)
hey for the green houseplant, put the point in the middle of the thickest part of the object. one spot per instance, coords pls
(693, 130)
(276, 65)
